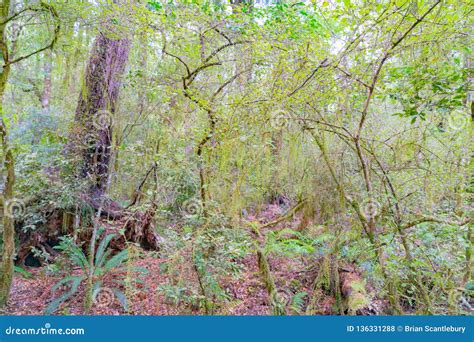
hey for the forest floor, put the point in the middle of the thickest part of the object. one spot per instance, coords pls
(31, 295)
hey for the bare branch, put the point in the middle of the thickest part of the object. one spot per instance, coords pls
(57, 28)
(324, 63)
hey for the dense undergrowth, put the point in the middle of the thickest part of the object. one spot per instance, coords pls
(194, 157)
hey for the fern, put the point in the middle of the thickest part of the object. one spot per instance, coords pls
(297, 302)
(116, 261)
(23, 272)
(103, 264)
(101, 254)
(73, 282)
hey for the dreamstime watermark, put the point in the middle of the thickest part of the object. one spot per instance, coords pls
(14, 207)
(458, 120)
(280, 119)
(103, 119)
(284, 297)
(192, 207)
(331, 108)
(103, 297)
(370, 208)
(46, 330)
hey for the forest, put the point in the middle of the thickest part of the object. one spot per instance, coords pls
(243, 157)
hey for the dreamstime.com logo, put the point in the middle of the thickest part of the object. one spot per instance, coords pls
(46, 330)
(103, 120)
(370, 208)
(14, 206)
(104, 297)
(458, 120)
(192, 207)
(280, 119)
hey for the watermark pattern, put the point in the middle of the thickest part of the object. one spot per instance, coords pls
(46, 330)
(103, 297)
(280, 119)
(192, 207)
(14, 207)
(284, 297)
(103, 120)
(331, 107)
(458, 120)
(370, 208)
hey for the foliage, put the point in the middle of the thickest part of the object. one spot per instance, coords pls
(104, 263)
(362, 110)
(210, 254)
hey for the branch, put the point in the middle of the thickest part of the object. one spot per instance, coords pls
(138, 190)
(351, 76)
(172, 55)
(229, 81)
(385, 57)
(57, 28)
(222, 34)
(324, 63)
(219, 49)
(285, 216)
(15, 15)
(191, 76)
(424, 219)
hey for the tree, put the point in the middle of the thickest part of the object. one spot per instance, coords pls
(97, 105)
(7, 15)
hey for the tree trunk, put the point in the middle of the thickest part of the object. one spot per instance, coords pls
(6, 266)
(97, 106)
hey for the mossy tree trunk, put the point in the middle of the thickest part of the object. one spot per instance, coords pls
(97, 106)
(8, 163)
(6, 266)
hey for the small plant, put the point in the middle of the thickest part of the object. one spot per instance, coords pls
(103, 263)
(23, 272)
(209, 255)
(297, 302)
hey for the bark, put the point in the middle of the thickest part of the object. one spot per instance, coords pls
(278, 307)
(469, 186)
(97, 107)
(8, 255)
(43, 94)
(6, 266)
(94, 118)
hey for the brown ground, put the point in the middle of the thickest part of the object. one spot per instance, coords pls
(249, 297)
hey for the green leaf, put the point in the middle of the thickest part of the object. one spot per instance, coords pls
(74, 283)
(75, 254)
(155, 5)
(122, 298)
(297, 302)
(116, 261)
(23, 272)
(101, 255)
